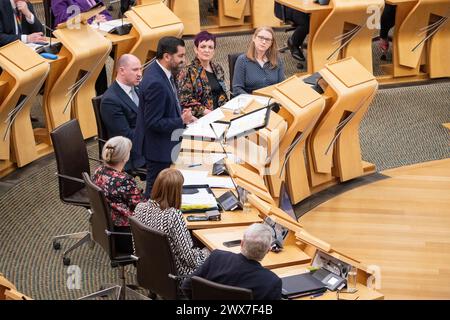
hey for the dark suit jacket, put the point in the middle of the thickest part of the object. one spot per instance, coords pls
(119, 115)
(236, 270)
(8, 26)
(159, 116)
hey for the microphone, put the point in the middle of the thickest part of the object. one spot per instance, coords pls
(51, 48)
(124, 28)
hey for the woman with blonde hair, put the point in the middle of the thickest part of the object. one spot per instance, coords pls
(119, 187)
(163, 213)
(260, 66)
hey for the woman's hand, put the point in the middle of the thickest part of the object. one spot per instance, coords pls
(206, 111)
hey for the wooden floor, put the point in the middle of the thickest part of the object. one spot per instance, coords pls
(401, 224)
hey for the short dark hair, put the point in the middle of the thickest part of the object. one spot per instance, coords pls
(204, 36)
(168, 45)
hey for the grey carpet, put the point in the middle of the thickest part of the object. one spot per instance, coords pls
(403, 126)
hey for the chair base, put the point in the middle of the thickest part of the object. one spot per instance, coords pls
(82, 237)
(121, 293)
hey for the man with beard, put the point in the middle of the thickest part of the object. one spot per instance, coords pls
(159, 113)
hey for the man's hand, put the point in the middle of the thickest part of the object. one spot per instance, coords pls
(36, 37)
(22, 7)
(100, 18)
(187, 116)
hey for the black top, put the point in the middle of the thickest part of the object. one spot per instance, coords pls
(216, 88)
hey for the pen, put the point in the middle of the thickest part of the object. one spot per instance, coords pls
(194, 165)
(316, 295)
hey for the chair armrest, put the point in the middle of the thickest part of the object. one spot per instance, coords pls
(70, 178)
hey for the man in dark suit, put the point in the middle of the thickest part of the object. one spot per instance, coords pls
(119, 105)
(160, 120)
(242, 270)
(18, 22)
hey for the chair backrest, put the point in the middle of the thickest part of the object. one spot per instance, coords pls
(102, 133)
(71, 157)
(101, 217)
(49, 17)
(156, 260)
(203, 289)
(231, 62)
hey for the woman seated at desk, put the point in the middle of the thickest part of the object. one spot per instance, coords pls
(119, 187)
(261, 66)
(163, 213)
(62, 10)
(201, 85)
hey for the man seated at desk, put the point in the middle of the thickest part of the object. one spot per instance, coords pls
(119, 105)
(18, 22)
(242, 270)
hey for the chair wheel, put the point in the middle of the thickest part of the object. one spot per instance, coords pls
(66, 261)
(56, 245)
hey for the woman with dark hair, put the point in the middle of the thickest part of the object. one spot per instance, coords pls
(261, 66)
(163, 213)
(201, 84)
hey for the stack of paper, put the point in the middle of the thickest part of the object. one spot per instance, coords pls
(193, 177)
(220, 182)
(107, 26)
(237, 103)
(205, 131)
(200, 200)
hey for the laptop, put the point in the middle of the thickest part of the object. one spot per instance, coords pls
(301, 285)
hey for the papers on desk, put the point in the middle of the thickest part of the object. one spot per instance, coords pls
(198, 201)
(242, 100)
(250, 121)
(194, 177)
(204, 131)
(35, 46)
(211, 117)
(107, 26)
(220, 182)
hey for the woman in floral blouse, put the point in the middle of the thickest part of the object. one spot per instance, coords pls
(201, 84)
(119, 187)
(163, 213)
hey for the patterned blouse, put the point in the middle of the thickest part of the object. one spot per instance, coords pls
(170, 221)
(194, 90)
(120, 190)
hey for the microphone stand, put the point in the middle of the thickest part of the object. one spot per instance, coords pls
(51, 48)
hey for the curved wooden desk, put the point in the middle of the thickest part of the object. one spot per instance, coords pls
(151, 22)
(73, 82)
(421, 39)
(24, 73)
(337, 30)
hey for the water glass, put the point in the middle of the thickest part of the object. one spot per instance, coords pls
(351, 280)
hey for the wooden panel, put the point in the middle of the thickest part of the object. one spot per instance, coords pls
(156, 15)
(214, 238)
(401, 224)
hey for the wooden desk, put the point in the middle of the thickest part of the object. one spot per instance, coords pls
(307, 6)
(417, 54)
(228, 218)
(214, 238)
(363, 293)
(337, 30)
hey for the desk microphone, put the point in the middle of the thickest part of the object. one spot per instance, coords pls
(51, 48)
(123, 28)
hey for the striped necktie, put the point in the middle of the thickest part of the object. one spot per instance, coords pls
(18, 15)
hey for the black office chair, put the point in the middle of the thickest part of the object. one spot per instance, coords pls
(102, 137)
(156, 269)
(71, 160)
(232, 57)
(103, 233)
(203, 289)
(102, 134)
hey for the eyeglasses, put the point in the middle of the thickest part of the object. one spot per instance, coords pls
(261, 38)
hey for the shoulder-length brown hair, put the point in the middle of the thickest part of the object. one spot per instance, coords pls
(167, 189)
(271, 53)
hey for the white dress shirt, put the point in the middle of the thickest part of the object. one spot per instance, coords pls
(127, 89)
(30, 20)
